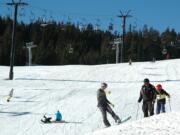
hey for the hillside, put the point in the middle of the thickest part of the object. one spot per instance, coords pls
(72, 90)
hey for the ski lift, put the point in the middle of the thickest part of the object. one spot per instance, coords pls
(50, 17)
(172, 43)
(44, 19)
(113, 47)
(110, 27)
(69, 21)
(97, 26)
(81, 27)
(9, 11)
(32, 17)
(22, 12)
(62, 26)
(164, 51)
(44, 24)
(134, 26)
(84, 24)
(70, 49)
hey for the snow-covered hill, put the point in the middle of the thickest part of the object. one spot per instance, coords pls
(163, 124)
(72, 90)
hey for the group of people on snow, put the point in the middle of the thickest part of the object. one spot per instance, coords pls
(148, 94)
(58, 118)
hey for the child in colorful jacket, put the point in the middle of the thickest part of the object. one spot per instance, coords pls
(161, 99)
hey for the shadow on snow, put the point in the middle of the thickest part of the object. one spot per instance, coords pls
(15, 113)
(96, 81)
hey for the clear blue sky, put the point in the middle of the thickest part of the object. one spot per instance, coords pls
(158, 14)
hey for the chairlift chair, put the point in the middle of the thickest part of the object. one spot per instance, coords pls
(110, 27)
(70, 50)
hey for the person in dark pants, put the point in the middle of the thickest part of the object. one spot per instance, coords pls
(46, 119)
(104, 106)
(147, 94)
(161, 99)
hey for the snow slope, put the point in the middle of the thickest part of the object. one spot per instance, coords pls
(163, 124)
(72, 90)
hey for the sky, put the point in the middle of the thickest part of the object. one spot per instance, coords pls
(158, 14)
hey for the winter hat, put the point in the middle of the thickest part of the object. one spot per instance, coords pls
(146, 80)
(158, 87)
(104, 84)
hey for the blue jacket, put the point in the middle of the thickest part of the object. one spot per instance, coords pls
(58, 116)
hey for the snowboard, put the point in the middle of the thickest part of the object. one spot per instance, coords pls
(62, 121)
(125, 119)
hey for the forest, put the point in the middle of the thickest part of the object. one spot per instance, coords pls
(65, 43)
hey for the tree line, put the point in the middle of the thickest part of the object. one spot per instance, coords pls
(64, 43)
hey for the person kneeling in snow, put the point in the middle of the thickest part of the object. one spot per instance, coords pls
(104, 105)
(58, 116)
(161, 99)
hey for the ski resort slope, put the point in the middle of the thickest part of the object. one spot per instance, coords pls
(164, 124)
(40, 90)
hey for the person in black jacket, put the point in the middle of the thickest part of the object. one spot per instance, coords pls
(104, 105)
(46, 119)
(147, 94)
(161, 99)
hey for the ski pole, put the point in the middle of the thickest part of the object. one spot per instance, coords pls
(137, 111)
(169, 105)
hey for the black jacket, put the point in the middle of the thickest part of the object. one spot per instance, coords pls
(161, 96)
(102, 99)
(147, 93)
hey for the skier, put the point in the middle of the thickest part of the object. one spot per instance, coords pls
(147, 94)
(58, 116)
(161, 99)
(104, 105)
(10, 95)
(46, 119)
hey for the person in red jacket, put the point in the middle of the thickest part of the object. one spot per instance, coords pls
(161, 99)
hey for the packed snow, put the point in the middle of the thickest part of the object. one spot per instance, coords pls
(40, 90)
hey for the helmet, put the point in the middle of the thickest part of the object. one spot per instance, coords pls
(146, 80)
(158, 87)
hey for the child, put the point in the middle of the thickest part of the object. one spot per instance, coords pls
(161, 99)
(58, 116)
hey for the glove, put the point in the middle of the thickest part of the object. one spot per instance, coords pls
(109, 92)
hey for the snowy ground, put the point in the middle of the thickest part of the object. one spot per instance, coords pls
(72, 90)
(164, 124)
